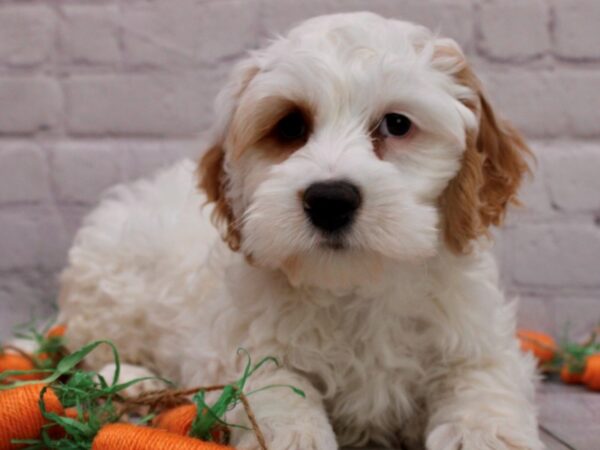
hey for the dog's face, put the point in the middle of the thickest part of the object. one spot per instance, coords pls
(352, 143)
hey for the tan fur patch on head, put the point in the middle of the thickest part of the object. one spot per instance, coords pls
(211, 170)
(494, 163)
(254, 125)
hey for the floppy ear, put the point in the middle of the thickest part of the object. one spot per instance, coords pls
(212, 180)
(211, 171)
(493, 165)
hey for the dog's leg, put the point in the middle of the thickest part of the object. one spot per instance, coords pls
(287, 420)
(485, 408)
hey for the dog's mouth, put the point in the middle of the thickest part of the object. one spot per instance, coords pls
(335, 243)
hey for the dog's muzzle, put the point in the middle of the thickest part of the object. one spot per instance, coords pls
(331, 206)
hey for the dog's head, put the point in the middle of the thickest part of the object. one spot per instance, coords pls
(356, 141)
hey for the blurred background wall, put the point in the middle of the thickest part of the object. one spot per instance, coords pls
(95, 92)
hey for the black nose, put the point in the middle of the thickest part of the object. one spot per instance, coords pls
(331, 205)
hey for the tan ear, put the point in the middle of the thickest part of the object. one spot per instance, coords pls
(211, 179)
(494, 163)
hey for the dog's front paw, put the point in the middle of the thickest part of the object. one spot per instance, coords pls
(458, 436)
(300, 435)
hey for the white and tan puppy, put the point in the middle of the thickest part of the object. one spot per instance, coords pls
(354, 170)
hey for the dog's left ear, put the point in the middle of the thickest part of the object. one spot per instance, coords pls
(212, 168)
(494, 162)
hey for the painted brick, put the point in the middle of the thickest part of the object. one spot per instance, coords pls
(156, 33)
(533, 193)
(72, 215)
(580, 97)
(574, 167)
(557, 255)
(535, 313)
(546, 103)
(531, 100)
(25, 296)
(52, 252)
(19, 241)
(152, 104)
(83, 170)
(29, 104)
(576, 30)
(578, 314)
(23, 173)
(145, 158)
(26, 34)
(89, 35)
(32, 238)
(514, 29)
(453, 18)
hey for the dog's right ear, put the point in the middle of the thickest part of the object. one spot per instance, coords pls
(212, 172)
(212, 180)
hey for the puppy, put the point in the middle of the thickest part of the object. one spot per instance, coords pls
(354, 169)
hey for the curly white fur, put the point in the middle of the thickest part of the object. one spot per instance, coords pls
(395, 340)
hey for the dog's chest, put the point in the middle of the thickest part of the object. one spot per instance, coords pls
(368, 366)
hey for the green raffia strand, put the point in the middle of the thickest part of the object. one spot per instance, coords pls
(93, 396)
(208, 417)
(64, 367)
(574, 355)
(48, 349)
(88, 392)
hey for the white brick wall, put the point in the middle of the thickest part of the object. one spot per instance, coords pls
(94, 92)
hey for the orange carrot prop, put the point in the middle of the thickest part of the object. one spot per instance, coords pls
(121, 436)
(541, 345)
(57, 331)
(568, 376)
(591, 375)
(71, 413)
(177, 420)
(20, 414)
(13, 361)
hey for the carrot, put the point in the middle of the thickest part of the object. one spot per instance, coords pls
(57, 331)
(591, 375)
(570, 377)
(13, 361)
(71, 413)
(177, 420)
(120, 436)
(541, 345)
(20, 414)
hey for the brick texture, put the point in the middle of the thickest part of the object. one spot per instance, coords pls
(26, 35)
(23, 173)
(29, 104)
(90, 35)
(161, 33)
(576, 32)
(557, 255)
(96, 92)
(514, 30)
(138, 104)
(576, 166)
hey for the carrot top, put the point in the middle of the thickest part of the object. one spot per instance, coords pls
(93, 402)
(48, 342)
(210, 416)
(92, 397)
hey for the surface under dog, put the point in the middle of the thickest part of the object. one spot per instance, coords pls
(569, 417)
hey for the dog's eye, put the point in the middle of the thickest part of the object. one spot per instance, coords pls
(396, 125)
(292, 127)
